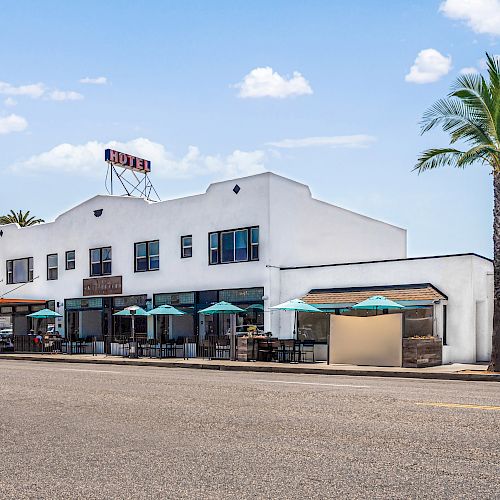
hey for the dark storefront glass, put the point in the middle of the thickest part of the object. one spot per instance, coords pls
(419, 322)
(313, 326)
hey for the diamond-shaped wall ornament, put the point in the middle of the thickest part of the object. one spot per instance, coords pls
(236, 189)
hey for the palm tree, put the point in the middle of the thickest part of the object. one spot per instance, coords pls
(471, 116)
(23, 219)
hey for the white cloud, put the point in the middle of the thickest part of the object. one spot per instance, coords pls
(88, 159)
(264, 82)
(64, 95)
(10, 102)
(335, 141)
(36, 91)
(33, 90)
(469, 70)
(100, 80)
(12, 123)
(430, 65)
(482, 16)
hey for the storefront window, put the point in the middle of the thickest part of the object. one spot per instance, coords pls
(419, 322)
(313, 326)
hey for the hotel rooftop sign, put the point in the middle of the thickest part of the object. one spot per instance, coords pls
(127, 161)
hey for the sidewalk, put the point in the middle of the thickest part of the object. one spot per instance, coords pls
(468, 372)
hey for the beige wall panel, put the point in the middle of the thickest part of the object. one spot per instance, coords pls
(375, 340)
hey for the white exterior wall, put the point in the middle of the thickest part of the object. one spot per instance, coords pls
(464, 279)
(294, 229)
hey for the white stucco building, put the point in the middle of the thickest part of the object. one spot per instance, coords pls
(254, 241)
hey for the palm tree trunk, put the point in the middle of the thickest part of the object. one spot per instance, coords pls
(495, 351)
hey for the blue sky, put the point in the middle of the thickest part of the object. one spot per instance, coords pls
(189, 85)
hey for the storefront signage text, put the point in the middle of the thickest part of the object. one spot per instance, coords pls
(109, 285)
(127, 161)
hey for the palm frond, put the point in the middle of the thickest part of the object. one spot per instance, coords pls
(475, 92)
(437, 157)
(453, 114)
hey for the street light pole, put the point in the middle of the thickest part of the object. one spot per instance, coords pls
(132, 314)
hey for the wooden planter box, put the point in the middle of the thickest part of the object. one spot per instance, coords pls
(422, 352)
(246, 349)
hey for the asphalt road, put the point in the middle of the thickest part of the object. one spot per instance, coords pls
(89, 431)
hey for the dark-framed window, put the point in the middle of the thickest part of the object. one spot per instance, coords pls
(70, 260)
(233, 245)
(52, 266)
(19, 270)
(147, 256)
(100, 261)
(186, 246)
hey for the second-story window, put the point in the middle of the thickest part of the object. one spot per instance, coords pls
(186, 246)
(235, 245)
(100, 261)
(213, 248)
(20, 270)
(147, 256)
(52, 266)
(70, 260)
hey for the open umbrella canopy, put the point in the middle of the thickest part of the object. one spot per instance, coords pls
(222, 308)
(166, 310)
(255, 307)
(139, 311)
(296, 305)
(44, 314)
(378, 302)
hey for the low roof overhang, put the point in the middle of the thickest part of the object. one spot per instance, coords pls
(409, 295)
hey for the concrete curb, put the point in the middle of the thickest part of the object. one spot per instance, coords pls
(468, 377)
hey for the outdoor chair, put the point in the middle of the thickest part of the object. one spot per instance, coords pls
(287, 352)
(307, 350)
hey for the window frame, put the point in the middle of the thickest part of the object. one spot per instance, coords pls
(56, 267)
(101, 261)
(66, 260)
(30, 270)
(185, 247)
(250, 245)
(147, 256)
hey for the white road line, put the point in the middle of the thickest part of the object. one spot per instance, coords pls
(88, 371)
(312, 383)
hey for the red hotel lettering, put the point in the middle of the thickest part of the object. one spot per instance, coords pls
(113, 156)
(128, 161)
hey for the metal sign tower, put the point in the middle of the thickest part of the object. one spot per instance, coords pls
(131, 173)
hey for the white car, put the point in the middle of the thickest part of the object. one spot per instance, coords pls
(6, 332)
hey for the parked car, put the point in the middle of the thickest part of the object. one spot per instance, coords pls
(6, 332)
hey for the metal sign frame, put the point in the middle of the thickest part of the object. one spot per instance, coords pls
(132, 184)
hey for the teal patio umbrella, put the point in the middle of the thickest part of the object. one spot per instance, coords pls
(132, 311)
(378, 302)
(165, 310)
(226, 308)
(44, 314)
(296, 305)
(255, 307)
(221, 308)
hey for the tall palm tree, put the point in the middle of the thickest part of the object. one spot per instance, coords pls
(471, 115)
(23, 219)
